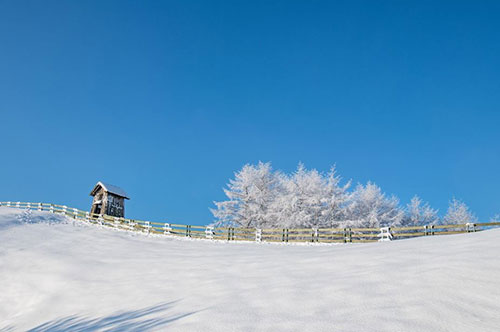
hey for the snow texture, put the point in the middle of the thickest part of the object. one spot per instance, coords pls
(59, 275)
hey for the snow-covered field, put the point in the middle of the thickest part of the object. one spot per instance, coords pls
(57, 275)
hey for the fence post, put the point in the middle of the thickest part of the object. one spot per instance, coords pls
(18, 204)
(40, 207)
(385, 234)
(432, 229)
(347, 235)
(166, 228)
(28, 206)
(51, 208)
(188, 230)
(8, 204)
(65, 208)
(209, 232)
(100, 220)
(87, 216)
(313, 234)
(470, 227)
(425, 230)
(258, 235)
(131, 224)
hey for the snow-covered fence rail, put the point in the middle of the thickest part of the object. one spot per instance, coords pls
(319, 235)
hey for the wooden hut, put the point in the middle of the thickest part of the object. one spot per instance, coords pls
(108, 199)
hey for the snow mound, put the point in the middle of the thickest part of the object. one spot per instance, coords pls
(64, 277)
(12, 216)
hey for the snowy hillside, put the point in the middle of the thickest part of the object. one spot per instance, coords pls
(58, 275)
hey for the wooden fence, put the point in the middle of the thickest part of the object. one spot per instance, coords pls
(317, 235)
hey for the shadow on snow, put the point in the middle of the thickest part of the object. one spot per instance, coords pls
(136, 320)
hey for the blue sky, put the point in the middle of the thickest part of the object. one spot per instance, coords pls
(168, 98)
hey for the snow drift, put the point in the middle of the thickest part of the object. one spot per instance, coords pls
(57, 275)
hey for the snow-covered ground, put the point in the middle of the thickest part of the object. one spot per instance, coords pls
(57, 275)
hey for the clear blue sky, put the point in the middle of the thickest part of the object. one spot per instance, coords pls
(168, 98)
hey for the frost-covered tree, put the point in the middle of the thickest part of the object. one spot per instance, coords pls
(495, 218)
(336, 198)
(310, 199)
(458, 213)
(300, 203)
(419, 213)
(251, 195)
(370, 207)
(259, 197)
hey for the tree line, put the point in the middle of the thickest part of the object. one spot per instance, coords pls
(260, 197)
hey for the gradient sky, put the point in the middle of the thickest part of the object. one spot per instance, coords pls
(168, 98)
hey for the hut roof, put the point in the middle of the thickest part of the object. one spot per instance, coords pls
(110, 189)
